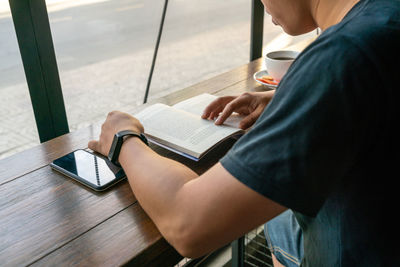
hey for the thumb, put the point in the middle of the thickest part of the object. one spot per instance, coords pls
(94, 145)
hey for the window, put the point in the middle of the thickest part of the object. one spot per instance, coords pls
(104, 51)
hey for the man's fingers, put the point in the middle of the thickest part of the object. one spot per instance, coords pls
(216, 106)
(228, 110)
(212, 107)
(236, 105)
(214, 114)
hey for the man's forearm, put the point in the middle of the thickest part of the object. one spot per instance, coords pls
(155, 181)
(195, 214)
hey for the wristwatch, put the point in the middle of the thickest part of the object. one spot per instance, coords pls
(117, 142)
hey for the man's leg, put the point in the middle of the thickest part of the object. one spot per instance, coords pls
(285, 239)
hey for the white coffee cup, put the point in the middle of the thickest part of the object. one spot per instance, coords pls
(278, 62)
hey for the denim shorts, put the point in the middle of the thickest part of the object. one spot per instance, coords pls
(285, 239)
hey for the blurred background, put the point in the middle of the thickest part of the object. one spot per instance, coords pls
(104, 50)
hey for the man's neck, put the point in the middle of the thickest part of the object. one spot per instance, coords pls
(327, 13)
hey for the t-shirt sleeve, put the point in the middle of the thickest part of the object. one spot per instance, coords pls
(309, 135)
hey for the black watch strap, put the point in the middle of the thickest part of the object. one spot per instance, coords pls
(118, 141)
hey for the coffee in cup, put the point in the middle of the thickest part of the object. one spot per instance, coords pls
(278, 62)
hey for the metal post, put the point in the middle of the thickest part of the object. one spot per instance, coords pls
(153, 62)
(238, 252)
(257, 28)
(32, 27)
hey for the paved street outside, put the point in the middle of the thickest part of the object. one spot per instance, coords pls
(104, 50)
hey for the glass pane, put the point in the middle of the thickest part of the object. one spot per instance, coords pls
(104, 50)
(17, 123)
(203, 38)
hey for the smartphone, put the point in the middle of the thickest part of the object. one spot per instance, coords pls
(89, 169)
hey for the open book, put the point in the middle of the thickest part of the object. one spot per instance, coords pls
(181, 129)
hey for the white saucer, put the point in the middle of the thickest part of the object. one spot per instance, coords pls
(261, 73)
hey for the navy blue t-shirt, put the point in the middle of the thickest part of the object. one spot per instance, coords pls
(326, 146)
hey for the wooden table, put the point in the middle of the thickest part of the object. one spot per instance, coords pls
(46, 219)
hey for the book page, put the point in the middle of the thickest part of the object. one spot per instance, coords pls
(182, 130)
(196, 105)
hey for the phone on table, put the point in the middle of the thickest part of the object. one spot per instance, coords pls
(89, 169)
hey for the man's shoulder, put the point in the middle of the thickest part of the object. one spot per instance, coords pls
(374, 23)
(369, 32)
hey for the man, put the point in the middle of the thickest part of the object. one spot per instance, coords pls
(322, 152)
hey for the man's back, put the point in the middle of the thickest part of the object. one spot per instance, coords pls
(329, 144)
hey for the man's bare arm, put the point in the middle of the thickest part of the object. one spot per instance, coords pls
(196, 214)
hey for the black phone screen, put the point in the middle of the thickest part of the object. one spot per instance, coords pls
(89, 169)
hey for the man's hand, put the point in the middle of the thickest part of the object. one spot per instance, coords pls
(116, 121)
(249, 104)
